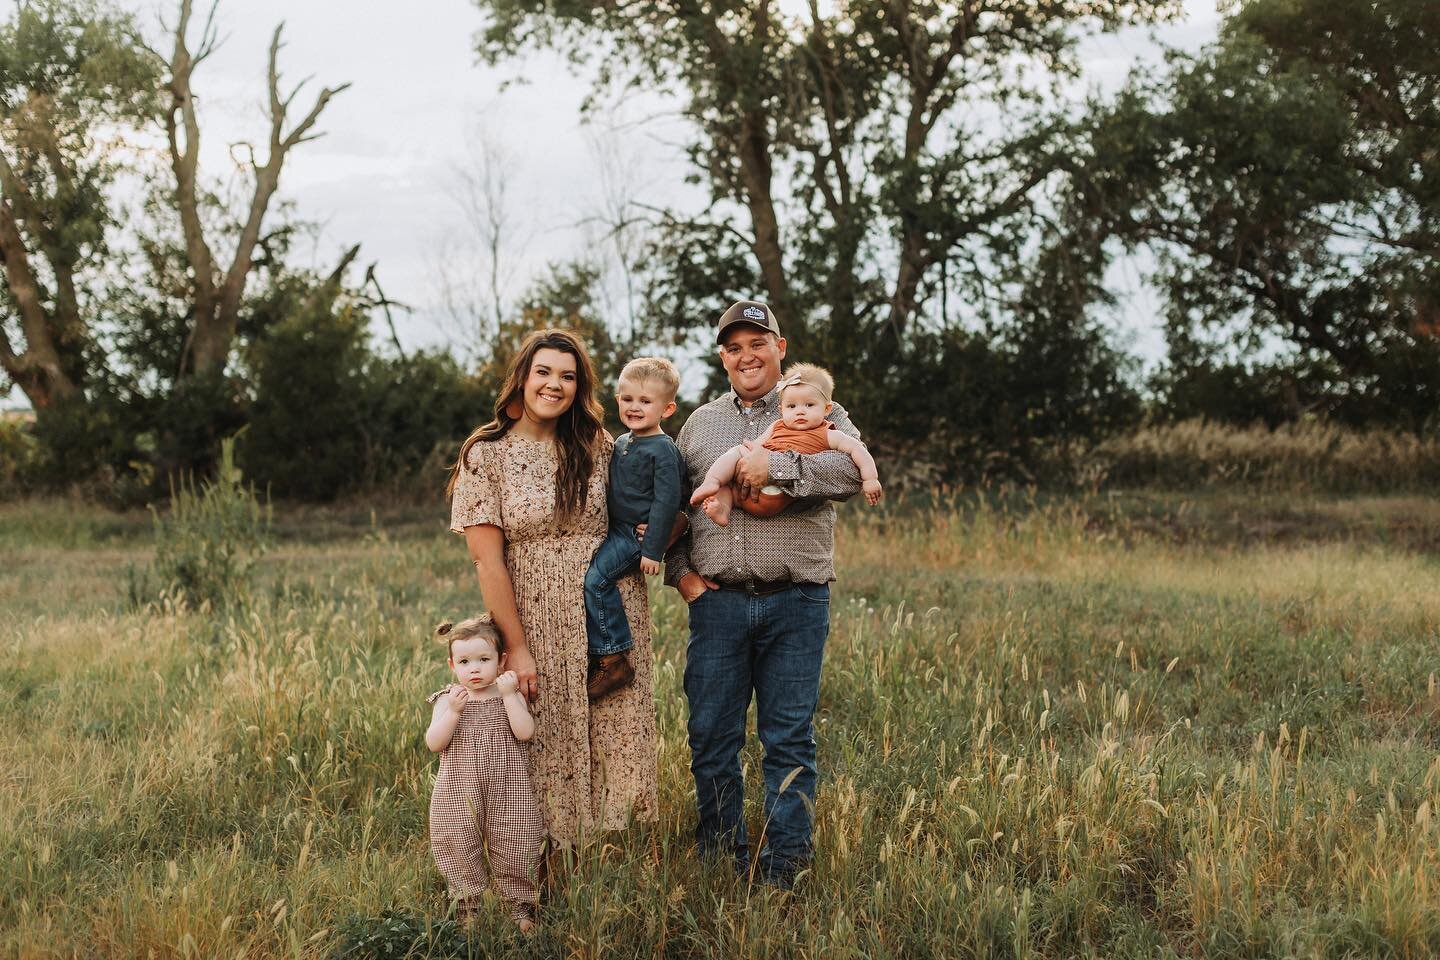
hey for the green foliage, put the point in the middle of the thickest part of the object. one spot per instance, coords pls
(888, 217)
(330, 416)
(20, 457)
(397, 935)
(207, 544)
(1284, 179)
(74, 79)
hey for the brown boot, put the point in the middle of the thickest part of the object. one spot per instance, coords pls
(608, 672)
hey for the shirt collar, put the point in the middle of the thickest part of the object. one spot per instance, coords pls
(764, 403)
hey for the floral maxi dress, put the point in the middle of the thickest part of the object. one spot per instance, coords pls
(593, 764)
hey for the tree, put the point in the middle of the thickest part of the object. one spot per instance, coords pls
(1286, 179)
(73, 82)
(218, 290)
(872, 171)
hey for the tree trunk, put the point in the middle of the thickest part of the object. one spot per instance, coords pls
(38, 371)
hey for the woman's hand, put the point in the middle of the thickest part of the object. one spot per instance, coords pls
(522, 664)
(649, 567)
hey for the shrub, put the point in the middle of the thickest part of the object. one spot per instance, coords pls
(206, 548)
(20, 456)
(330, 416)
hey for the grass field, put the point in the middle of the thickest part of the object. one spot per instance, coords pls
(1128, 726)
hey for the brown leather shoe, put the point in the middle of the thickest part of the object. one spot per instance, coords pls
(608, 673)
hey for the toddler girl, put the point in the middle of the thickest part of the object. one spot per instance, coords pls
(805, 392)
(483, 800)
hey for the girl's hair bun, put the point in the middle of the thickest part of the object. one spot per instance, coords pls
(445, 627)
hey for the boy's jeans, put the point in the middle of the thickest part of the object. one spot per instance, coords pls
(606, 628)
(773, 645)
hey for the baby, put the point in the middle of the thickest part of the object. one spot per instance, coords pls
(483, 801)
(647, 481)
(805, 392)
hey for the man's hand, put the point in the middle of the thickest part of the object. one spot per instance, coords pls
(649, 567)
(457, 698)
(693, 585)
(752, 472)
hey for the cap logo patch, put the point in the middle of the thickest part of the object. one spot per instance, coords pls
(754, 313)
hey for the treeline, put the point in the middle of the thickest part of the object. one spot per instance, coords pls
(914, 188)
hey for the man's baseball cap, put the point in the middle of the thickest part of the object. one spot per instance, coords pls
(752, 312)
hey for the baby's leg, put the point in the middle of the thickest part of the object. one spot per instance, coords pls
(718, 507)
(456, 842)
(515, 831)
(718, 477)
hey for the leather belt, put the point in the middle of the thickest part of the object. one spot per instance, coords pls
(758, 588)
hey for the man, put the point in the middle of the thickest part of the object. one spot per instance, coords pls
(759, 598)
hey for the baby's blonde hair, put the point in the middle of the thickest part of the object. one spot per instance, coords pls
(812, 376)
(482, 627)
(652, 370)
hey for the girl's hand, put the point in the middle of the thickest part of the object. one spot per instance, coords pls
(649, 567)
(457, 698)
(507, 683)
(522, 664)
(872, 491)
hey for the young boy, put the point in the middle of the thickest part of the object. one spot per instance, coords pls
(646, 486)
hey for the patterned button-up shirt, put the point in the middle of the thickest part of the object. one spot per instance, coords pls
(796, 544)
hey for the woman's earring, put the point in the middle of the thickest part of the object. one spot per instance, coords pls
(515, 408)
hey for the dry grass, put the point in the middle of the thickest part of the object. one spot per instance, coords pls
(1047, 730)
(1303, 456)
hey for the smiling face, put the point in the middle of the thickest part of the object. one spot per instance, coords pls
(803, 407)
(550, 385)
(475, 662)
(643, 404)
(751, 358)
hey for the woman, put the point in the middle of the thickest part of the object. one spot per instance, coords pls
(528, 493)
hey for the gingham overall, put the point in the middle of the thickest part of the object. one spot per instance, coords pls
(483, 802)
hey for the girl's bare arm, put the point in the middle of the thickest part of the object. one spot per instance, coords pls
(521, 723)
(442, 725)
(857, 451)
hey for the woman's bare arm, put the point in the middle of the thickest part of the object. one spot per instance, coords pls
(486, 543)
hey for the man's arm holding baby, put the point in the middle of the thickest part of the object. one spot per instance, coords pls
(832, 475)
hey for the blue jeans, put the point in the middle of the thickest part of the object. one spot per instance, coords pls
(772, 645)
(606, 628)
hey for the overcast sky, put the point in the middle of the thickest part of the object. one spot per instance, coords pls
(387, 171)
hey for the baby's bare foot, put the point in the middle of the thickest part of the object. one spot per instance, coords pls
(704, 492)
(717, 511)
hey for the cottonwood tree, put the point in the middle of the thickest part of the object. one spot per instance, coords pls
(218, 287)
(73, 83)
(872, 166)
(1286, 180)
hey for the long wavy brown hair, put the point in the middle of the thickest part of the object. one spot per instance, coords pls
(577, 431)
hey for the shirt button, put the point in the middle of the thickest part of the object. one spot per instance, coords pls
(737, 536)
